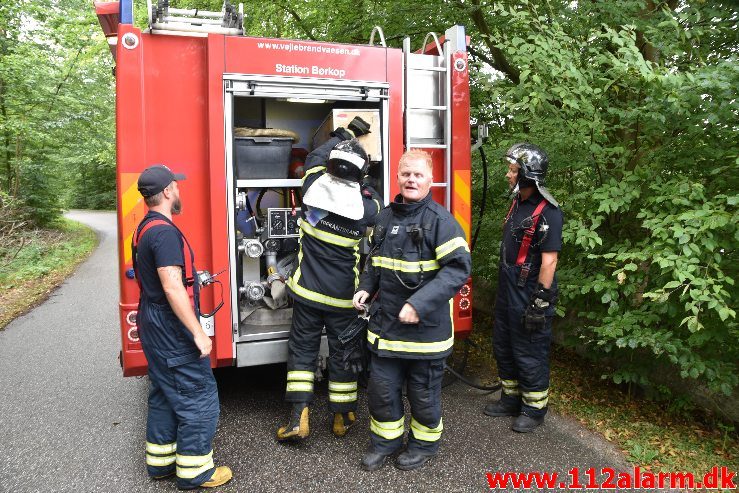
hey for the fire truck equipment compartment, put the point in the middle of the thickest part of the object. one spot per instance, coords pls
(341, 117)
(262, 157)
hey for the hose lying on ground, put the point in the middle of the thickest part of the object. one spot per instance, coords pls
(458, 375)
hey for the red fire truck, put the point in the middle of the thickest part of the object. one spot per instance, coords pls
(195, 93)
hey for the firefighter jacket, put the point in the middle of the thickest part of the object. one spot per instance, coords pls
(419, 256)
(328, 261)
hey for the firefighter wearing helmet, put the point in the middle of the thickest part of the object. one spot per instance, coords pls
(337, 209)
(527, 290)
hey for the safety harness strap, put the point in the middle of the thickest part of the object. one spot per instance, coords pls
(190, 284)
(510, 211)
(528, 235)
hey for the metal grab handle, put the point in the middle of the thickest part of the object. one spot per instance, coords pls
(482, 136)
(436, 40)
(377, 29)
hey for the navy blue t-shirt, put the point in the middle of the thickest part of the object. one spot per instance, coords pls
(548, 234)
(160, 246)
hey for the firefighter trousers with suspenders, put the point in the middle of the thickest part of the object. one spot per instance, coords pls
(183, 397)
(522, 356)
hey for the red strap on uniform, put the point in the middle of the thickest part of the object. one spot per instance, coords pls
(189, 274)
(135, 245)
(147, 227)
(510, 210)
(528, 235)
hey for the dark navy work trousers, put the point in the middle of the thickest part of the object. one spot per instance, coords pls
(183, 399)
(385, 397)
(522, 356)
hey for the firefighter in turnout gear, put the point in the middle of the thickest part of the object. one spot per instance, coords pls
(527, 290)
(183, 398)
(419, 260)
(336, 211)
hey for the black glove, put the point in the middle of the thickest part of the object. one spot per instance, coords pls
(359, 126)
(534, 318)
(368, 190)
(342, 133)
(354, 355)
(352, 352)
(546, 297)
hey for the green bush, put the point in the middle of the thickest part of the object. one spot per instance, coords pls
(644, 162)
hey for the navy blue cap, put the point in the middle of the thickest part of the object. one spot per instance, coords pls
(156, 178)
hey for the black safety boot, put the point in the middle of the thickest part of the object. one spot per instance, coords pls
(408, 461)
(526, 424)
(372, 461)
(297, 429)
(342, 423)
(503, 408)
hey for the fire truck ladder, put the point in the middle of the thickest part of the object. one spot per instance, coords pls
(427, 103)
(194, 22)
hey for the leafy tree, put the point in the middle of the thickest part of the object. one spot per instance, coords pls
(636, 103)
(634, 100)
(56, 106)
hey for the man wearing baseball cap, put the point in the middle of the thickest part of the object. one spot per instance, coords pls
(183, 397)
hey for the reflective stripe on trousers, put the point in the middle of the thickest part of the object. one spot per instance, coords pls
(183, 405)
(522, 356)
(342, 391)
(385, 398)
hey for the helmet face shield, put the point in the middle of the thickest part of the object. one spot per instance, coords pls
(340, 168)
(348, 161)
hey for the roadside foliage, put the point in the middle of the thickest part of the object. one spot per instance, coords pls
(635, 101)
(57, 132)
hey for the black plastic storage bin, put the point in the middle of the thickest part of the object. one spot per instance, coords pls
(262, 157)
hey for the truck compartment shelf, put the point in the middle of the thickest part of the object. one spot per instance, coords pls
(269, 183)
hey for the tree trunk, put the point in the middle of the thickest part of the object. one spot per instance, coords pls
(6, 139)
(500, 61)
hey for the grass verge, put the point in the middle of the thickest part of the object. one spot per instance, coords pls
(37, 261)
(658, 436)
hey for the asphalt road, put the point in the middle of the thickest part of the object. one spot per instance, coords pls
(69, 421)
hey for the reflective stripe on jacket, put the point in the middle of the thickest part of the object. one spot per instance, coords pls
(328, 260)
(420, 256)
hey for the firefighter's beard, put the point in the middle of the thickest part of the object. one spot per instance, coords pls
(176, 206)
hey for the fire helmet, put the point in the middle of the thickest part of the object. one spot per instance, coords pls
(533, 162)
(348, 161)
